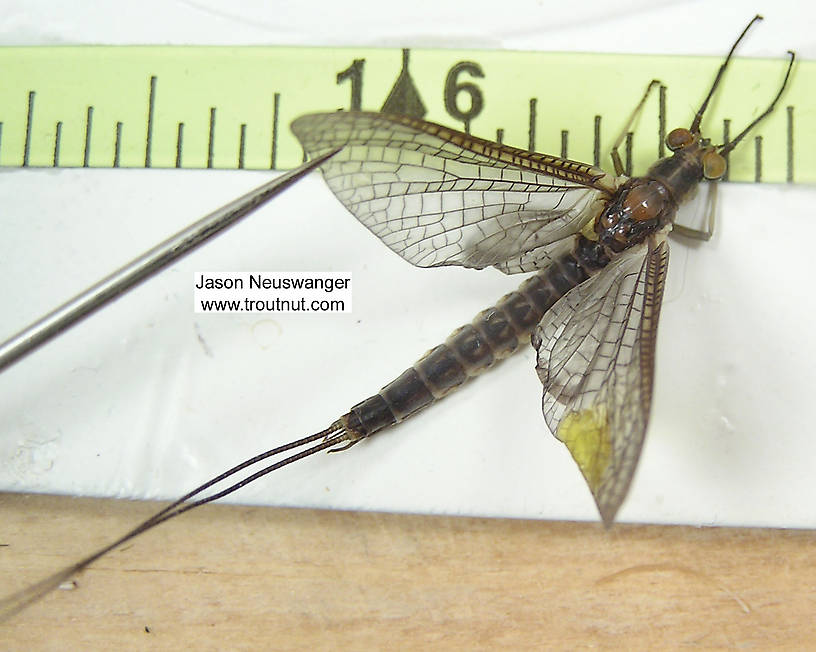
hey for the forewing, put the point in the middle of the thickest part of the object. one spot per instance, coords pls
(596, 361)
(437, 196)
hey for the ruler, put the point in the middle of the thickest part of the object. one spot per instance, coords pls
(230, 107)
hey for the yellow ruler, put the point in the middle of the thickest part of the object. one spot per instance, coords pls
(230, 107)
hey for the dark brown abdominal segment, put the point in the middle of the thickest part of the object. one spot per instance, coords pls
(493, 335)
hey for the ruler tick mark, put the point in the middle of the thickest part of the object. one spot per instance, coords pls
(661, 122)
(151, 106)
(241, 146)
(57, 139)
(627, 168)
(29, 119)
(275, 109)
(532, 129)
(596, 148)
(86, 155)
(117, 144)
(211, 138)
(179, 142)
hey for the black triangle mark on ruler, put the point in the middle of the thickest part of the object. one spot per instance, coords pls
(404, 97)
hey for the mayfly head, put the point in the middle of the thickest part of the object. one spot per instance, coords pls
(695, 158)
(712, 158)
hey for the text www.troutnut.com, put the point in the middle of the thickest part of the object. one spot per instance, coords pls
(230, 292)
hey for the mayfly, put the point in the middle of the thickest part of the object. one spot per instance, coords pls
(596, 242)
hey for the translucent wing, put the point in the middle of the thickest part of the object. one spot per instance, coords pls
(596, 361)
(437, 196)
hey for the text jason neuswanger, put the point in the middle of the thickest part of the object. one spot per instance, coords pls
(272, 292)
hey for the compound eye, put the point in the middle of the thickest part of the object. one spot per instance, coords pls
(714, 165)
(679, 138)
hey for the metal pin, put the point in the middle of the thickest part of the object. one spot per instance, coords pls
(146, 265)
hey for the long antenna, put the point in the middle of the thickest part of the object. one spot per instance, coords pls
(731, 145)
(695, 125)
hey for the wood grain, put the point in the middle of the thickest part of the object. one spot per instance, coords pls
(227, 577)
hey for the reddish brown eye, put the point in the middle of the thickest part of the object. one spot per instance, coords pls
(713, 165)
(679, 138)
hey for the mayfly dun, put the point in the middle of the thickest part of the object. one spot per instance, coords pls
(596, 244)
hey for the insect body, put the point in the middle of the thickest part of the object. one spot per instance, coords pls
(597, 243)
(585, 231)
(442, 197)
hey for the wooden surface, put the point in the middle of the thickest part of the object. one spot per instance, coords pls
(227, 577)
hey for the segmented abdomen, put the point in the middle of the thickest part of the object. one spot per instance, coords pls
(493, 335)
